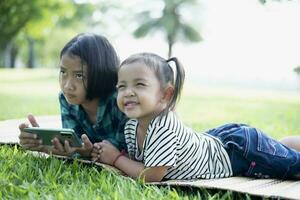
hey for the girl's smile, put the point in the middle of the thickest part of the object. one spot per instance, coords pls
(130, 104)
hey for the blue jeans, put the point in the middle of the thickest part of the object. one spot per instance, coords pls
(252, 153)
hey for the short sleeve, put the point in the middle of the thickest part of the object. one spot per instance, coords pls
(160, 147)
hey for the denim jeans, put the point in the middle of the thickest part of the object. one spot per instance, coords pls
(252, 153)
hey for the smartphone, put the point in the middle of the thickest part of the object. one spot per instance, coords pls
(47, 134)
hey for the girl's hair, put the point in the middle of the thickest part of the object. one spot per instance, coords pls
(101, 59)
(164, 72)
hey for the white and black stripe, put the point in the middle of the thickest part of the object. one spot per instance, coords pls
(188, 154)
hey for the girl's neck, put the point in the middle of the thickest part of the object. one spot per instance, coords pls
(142, 126)
(90, 108)
(144, 122)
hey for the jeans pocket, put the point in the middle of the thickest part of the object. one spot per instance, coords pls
(270, 146)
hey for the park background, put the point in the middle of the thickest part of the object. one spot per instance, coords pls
(241, 59)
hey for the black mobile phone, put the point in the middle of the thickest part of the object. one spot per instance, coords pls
(47, 134)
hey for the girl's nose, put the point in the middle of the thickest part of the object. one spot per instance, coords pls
(129, 92)
(68, 84)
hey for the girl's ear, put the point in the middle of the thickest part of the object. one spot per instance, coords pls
(168, 94)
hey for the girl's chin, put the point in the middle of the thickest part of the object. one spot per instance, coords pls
(131, 115)
(72, 102)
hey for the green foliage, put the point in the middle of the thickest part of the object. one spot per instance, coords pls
(17, 14)
(171, 23)
(297, 70)
(14, 16)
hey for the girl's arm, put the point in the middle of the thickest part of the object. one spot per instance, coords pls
(137, 170)
(109, 154)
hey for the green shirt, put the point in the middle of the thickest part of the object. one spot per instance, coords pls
(109, 124)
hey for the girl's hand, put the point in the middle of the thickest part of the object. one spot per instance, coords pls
(68, 150)
(96, 153)
(30, 141)
(108, 153)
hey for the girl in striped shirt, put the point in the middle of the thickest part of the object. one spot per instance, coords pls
(161, 147)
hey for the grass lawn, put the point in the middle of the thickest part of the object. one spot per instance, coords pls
(35, 91)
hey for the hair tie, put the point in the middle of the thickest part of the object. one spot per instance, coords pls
(173, 68)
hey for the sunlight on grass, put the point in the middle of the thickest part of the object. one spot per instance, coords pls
(28, 91)
(276, 113)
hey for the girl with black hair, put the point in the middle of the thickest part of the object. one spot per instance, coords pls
(88, 75)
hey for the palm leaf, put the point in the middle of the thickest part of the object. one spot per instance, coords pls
(190, 33)
(146, 28)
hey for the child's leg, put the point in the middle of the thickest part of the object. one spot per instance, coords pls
(254, 154)
(292, 142)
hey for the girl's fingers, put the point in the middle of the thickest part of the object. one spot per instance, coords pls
(106, 141)
(32, 120)
(25, 135)
(22, 126)
(67, 147)
(97, 146)
(32, 147)
(31, 142)
(87, 144)
(57, 145)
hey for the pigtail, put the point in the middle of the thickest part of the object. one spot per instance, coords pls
(179, 75)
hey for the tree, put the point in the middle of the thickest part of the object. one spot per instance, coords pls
(40, 26)
(265, 1)
(170, 23)
(26, 23)
(297, 70)
(14, 15)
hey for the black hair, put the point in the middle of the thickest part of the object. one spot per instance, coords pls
(101, 59)
(164, 73)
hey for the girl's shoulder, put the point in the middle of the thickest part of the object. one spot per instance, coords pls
(162, 121)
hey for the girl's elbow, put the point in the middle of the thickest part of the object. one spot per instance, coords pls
(152, 179)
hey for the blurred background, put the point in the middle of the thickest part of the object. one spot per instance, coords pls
(236, 43)
(241, 56)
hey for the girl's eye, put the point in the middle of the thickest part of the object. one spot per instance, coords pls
(141, 84)
(62, 72)
(79, 76)
(120, 87)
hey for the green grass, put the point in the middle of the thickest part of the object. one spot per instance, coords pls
(23, 176)
(35, 91)
(277, 114)
(28, 91)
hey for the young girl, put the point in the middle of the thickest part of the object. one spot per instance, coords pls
(88, 74)
(161, 147)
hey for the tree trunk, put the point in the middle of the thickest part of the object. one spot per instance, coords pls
(2, 57)
(31, 55)
(14, 50)
(170, 46)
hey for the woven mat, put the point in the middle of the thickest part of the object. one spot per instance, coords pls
(274, 188)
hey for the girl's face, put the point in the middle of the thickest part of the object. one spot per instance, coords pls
(139, 92)
(72, 78)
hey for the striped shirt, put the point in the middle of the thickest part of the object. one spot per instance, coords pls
(189, 155)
